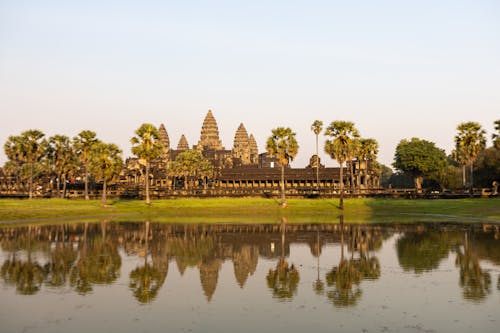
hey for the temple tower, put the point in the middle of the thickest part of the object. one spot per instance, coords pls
(241, 148)
(183, 143)
(164, 139)
(209, 138)
(254, 150)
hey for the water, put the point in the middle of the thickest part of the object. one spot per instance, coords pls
(146, 277)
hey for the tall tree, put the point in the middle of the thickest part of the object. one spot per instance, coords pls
(84, 143)
(189, 165)
(368, 150)
(352, 152)
(458, 156)
(470, 141)
(341, 134)
(317, 127)
(106, 164)
(283, 146)
(496, 136)
(147, 146)
(62, 160)
(28, 148)
(419, 158)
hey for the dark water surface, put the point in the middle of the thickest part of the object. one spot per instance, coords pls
(146, 277)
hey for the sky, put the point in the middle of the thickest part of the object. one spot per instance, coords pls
(397, 69)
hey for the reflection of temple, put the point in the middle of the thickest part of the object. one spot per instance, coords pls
(241, 170)
(81, 256)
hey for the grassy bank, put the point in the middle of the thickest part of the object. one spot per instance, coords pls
(252, 210)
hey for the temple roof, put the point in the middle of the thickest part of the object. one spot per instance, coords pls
(209, 137)
(253, 145)
(241, 138)
(164, 136)
(183, 143)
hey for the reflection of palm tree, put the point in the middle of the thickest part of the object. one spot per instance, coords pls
(98, 262)
(343, 278)
(474, 281)
(62, 258)
(146, 280)
(284, 280)
(26, 275)
(318, 285)
(370, 268)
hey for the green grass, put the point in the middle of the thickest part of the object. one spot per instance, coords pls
(251, 210)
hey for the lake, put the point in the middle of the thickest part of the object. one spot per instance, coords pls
(149, 277)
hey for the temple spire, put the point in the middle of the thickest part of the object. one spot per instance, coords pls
(254, 150)
(241, 148)
(165, 140)
(209, 137)
(183, 143)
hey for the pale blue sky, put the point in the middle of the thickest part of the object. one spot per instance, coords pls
(398, 69)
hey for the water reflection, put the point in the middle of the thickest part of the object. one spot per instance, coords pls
(284, 279)
(78, 257)
(344, 279)
(147, 279)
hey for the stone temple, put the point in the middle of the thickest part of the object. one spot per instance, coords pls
(238, 171)
(242, 170)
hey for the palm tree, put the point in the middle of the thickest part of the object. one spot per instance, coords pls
(283, 146)
(84, 144)
(341, 133)
(62, 159)
(147, 146)
(368, 150)
(106, 164)
(470, 141)
(496, 136)
(352, 152)
(459, 156)
(189, 164)
(317, 127)
(28, 148)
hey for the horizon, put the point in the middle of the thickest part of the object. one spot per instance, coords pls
(396, 70)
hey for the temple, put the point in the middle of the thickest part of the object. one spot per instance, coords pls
(239, 171)
(242, 171)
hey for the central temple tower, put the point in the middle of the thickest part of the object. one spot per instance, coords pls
(209, 137)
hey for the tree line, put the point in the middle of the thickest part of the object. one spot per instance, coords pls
(31, 155)
(421, 161)
(61, 158)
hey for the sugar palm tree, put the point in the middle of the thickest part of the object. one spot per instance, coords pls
(341, 134)
(368, 150)
(147, 146)
(106, 164)
(496, 136)
(470, 141)
(28, 148)
(352, 152)
(84, 143)
(62, 159)
(189, 164)
(283, 146)
(317, 127)
(458, 155)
